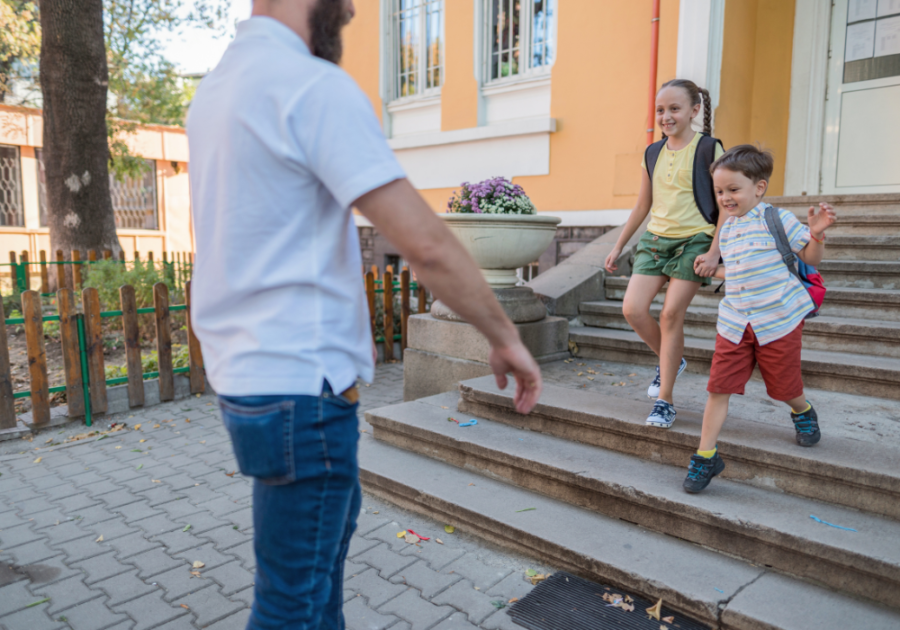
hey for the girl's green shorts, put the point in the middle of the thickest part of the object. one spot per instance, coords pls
(672, 257)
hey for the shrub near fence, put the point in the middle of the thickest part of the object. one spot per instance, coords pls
(386, 319)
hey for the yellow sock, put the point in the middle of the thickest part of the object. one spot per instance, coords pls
(708, 454)
(808, 407)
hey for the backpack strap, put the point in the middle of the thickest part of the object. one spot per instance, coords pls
(776, 229)
(651, 156)
(704, 195)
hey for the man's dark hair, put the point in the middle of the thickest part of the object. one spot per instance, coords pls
(326, 20)
(754, 163)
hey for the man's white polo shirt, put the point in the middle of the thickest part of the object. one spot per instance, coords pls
(281, 144)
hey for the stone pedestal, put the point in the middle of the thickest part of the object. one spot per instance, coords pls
(441, 353)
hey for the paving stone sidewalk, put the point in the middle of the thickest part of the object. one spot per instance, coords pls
(106, 534)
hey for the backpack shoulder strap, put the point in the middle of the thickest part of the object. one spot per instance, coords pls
(704, 196)
(651, 156)
(776, 229)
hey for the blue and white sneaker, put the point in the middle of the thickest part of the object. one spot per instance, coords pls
(662, 416)
(653, 390)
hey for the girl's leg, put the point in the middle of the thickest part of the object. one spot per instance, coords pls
(636, 308)
(713, 418)
(671, 320)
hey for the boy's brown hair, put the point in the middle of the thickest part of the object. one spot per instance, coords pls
(752, 162)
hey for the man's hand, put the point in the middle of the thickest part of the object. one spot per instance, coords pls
(517, 360)
(705, 265)
(821, 221)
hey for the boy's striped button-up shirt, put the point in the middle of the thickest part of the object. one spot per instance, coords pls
(760, 291)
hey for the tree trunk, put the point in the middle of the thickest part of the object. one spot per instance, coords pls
(74, 80)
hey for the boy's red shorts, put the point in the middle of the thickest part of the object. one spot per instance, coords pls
(779, 362)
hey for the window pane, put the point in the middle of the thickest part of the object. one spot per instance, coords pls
(434, 18)
(543, 46)
(134, 200)
(42, 186)
(505, 25)
(409, 42)
(10, 187)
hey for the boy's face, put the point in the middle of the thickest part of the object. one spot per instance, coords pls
(736, 193)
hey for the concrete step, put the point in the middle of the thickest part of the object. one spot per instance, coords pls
(857, 247)
(833, 371)
(717, 589)
(839, 470)
(861, 224)
(844, 205)
(868, 274)
(776, 531)
(833, 334)
(850, 302)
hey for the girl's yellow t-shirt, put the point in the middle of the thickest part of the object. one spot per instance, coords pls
(674, 213)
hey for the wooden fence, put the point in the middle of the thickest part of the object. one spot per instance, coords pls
(403, 286)
(82, 348)
(176, 266)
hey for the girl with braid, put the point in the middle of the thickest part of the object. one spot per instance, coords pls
(677, 193)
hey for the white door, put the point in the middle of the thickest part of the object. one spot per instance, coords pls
(861, 152)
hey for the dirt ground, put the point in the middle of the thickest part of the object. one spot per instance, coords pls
(113, 352)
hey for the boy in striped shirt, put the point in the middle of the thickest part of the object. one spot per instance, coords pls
(761, 317)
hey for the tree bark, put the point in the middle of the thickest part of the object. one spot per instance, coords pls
(74, 81)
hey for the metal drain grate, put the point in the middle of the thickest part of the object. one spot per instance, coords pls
(566, 602)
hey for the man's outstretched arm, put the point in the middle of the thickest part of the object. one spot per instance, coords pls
(400, 214)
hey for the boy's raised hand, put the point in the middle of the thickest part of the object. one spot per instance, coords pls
(820, 221)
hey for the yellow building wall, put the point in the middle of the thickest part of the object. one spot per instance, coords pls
(362, 43)
(459, 94)
(167, 146)
(756, 79)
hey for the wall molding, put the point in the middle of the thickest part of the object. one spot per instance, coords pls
(524, 127)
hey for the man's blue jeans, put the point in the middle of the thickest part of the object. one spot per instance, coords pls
(302, 452)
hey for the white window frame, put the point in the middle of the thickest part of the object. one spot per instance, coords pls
(393, 57)
(526, 19)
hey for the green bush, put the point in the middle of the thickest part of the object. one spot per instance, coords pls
(150, 362)
(51, 330)
(107, 276)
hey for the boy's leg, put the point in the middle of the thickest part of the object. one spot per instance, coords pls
(780, 365)
(707, 463)
(671, 319)
(713, 418)
(636, 307)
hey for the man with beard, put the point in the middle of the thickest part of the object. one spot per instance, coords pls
(283, 143)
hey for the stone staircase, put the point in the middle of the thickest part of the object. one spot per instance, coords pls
(583, 484)
(852, 347)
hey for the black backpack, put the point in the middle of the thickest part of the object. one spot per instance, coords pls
(703, 185)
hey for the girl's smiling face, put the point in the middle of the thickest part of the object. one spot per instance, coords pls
(674, 111)
(736, 193)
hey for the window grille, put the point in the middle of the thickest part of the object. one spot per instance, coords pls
(521, 37)
(418, 31)
(11, 187)
(134, 200)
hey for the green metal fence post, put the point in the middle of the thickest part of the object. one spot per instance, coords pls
(86, 376)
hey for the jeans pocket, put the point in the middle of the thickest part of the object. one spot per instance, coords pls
(263, 439)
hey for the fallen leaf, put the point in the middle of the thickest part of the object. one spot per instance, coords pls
(198, 565)
(142, 441)
(375, 512)
(573, 347)
(654, 610)
(449, 529)
(590, 378)
(664, 627)
(498, 604)
(156, 426)
(196, 573)
(439, 541)
(628, 599)
(186, 527)
(100, 539)
(118, 447)
(624, 606)
(608, 374)
(137, 427)
(632, 374)
(526, 510)
(401, 534)
(580, 374)
(139, 466)
(156, 481)
(471, 484)
(670, 619)
(477, 588)
(443, 407)
(48, 441)
(412, 539)
(231, 474)
(38, 603)
(185, 606)
(187, 419)
(530, 572)
(539, 578)
(513, 600)
(38, 460)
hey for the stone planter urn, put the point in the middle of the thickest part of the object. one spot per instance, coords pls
(501, 244)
